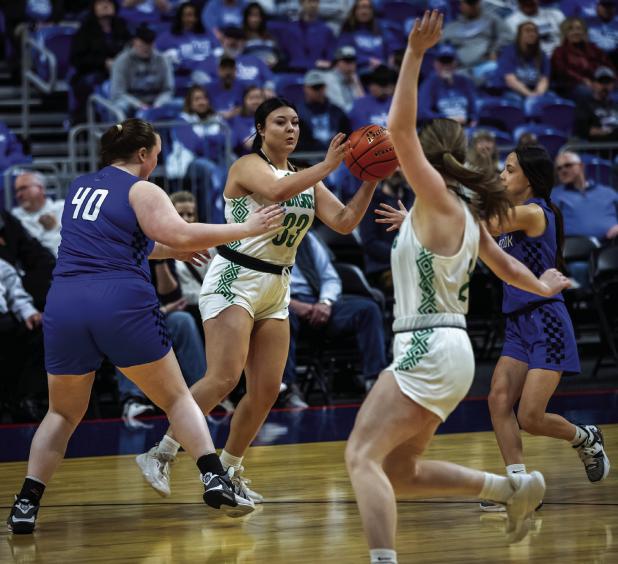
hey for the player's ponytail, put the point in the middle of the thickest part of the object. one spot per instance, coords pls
(261, 113)
(538, 168)
(444, 144)
(122, 140)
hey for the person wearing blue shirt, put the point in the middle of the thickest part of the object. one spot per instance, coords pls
(320, 119)
(316, 300)
(589, 208)
(225, 92)
(374, 107)
(186, 44)
(362, 31)
(150, 12)
(243, 125)
(603, 28)
(308, 42)
(446, 94)
(524, 67)
(219, 14)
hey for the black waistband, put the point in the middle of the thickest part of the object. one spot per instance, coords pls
(251, 262)
(531, 307)
(430, 327)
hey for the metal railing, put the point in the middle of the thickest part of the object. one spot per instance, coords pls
(57, 174)
(607, 152)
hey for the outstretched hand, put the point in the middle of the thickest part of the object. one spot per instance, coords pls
(426, 32)
(265, 219)
(390, 216)
(197, 258)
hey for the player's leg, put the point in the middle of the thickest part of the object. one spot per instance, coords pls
(264, 371)
(163, 383)
(532, 415)
(68, 401)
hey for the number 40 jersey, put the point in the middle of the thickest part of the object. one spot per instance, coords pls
(278, 247)
(100, 233)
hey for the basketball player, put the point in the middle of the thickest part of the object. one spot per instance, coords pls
(539, 344)
(245, 295)
(432, 259)
(102, 302)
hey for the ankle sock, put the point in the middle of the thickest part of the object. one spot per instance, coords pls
(210, 463)
(32, 490)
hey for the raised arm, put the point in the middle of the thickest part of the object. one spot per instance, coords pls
(160, 221)
(513, 272)
(427, 183)
(252, 174)
(343, 218)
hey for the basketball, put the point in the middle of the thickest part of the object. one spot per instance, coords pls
(372, 155)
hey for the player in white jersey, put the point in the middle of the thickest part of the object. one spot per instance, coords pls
(245, 295)
(433, 365)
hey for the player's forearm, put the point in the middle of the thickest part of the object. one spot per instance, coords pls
(402, 115)
(352, 214)
(517, 274)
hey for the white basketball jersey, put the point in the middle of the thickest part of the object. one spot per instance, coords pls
(280, 247)
(427, 283)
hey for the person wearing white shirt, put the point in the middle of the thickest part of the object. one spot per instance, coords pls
(39, 215)
(547, 20)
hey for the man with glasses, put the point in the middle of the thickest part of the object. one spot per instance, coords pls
(40, 215)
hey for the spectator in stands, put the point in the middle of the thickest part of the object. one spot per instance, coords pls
(377, 239)
(320, 119)
(527, 138)
(28, 256)
(596, 116)
(524, 65)
(588, 208)
(11, 153)
(478, 36)
(316, 301)
(219, 14)
(257, 38)
(362, 31)
(482, 151)
(141, 77)
(446, 93)
(578, 8)
(40, 215)
(147, 12)
(95, 45)
(575, 60)
(308, 42)
(547, 20)
(225, 91)
(243, 125)
(198, 154)
(249, 68)
(24, 383)
(343, 84)
(186, 44)
(373, 108)
(603, 28)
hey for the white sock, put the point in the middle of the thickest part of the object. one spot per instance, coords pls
(516, 469)
(496, 488)
(35, 479)
(168, 446)
(581, 436)
(382, 556)
(228, 460)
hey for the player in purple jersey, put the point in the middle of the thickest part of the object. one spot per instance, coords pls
(102, 303)
(539, 344)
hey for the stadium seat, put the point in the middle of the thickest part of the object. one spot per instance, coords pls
(556, 112)
(598, 169)
(552, 139)
(504, 114)
(57, 39)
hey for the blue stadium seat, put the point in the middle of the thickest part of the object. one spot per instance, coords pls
(504, 114)
(551, 138)
(56, 38)
(502, 137)
(290, 86)
(554, 111)
(597, 169)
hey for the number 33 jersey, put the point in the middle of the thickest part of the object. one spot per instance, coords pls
(277, 247)
(100, 233)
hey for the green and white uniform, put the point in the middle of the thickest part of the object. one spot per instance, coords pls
(263, 295)
(433, 359)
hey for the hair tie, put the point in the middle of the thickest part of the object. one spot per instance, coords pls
(119, 127)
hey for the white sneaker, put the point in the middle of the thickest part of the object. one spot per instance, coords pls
(155, 468)
(492, 507)
(528, 494)
(241, 485)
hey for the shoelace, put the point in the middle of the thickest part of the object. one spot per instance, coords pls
(238, 480)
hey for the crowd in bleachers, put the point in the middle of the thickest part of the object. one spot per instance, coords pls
(509, 71)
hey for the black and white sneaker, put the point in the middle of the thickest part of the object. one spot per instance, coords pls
(220, 493)
(592, 453)
(22, 518)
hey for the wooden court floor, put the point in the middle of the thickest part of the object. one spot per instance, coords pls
(99, 510)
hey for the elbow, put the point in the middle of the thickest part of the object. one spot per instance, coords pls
(344, 226)
(179, 239)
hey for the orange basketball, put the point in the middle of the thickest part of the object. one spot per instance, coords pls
(372, 155)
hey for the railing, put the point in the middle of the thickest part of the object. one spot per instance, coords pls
(57, 173)
(606, 151)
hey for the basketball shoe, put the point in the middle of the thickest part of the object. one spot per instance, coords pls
(221, 493)
(22, 518)
(241, 485)
(529, 490)
(592, 453)
(155, 467)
